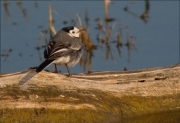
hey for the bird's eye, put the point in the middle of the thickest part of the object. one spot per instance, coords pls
(73, 32)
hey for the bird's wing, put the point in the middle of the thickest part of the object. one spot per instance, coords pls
(75, 44)
(53, 48)
(56, 49)
(49, 49)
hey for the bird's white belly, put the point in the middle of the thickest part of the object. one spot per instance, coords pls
(75, 60)
(62, 60)
(67, 60)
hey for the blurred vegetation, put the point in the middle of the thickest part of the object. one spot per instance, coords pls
(144, 16)
(109, 40)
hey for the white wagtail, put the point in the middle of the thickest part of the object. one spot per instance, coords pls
(64, 49)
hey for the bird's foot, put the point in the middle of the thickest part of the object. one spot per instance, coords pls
(55, 71)
(89, 72)
(68, 75)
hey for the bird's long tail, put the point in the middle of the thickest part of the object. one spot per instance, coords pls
(43, 65)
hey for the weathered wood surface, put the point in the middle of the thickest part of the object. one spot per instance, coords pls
(123, 94)
(146, 82)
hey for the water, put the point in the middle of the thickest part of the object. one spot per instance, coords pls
(154, 43)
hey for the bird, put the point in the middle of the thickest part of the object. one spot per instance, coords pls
(64, 49)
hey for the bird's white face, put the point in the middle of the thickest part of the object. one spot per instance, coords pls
(74, 33)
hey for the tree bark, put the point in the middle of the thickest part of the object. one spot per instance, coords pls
(103, 96)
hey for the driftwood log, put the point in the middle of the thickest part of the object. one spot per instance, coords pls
(95, 97)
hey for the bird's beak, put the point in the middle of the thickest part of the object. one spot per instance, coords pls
(81, 30)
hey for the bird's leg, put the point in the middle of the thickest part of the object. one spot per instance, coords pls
(55, 71)
(68, 71)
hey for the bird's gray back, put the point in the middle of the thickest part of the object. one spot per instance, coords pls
(63, 38)
(61, 41)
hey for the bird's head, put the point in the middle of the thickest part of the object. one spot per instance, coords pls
(73, 31)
